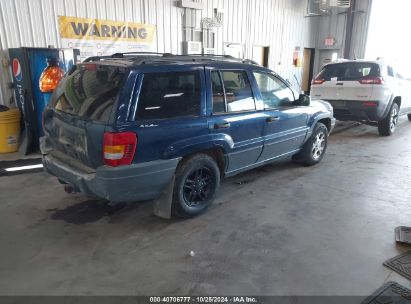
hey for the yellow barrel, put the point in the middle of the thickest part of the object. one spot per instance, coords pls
(9, 130)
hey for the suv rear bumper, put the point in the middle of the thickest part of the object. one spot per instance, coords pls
(132, 183)
(351, 110)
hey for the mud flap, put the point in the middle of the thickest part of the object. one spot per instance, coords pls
(162, 205)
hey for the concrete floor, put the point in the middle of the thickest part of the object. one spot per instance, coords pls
(279, 230)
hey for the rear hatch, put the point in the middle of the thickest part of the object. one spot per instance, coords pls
(79, 111)
(352, 81)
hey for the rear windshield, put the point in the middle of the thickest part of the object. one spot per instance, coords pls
(349, 71)
(90, 92)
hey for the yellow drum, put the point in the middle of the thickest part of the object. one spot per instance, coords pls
(9, 130)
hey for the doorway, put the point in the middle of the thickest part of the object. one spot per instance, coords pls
(260, 55)
(308, 70)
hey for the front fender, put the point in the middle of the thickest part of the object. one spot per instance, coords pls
(314, 119)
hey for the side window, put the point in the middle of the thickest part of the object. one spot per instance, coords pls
(218, 93)
(273, 91)
(236, 89)
(168, 95)
(390, 71)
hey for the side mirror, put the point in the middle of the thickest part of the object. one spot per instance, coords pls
(304, 100)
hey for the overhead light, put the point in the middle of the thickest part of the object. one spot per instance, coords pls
(13, 169)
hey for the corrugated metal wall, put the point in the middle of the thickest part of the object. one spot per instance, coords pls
(360, 28)
(279, 24)
(334, 25)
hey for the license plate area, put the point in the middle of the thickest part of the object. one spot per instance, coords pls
(70, 139)
(75, 140)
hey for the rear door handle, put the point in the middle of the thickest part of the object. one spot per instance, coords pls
(340, 83)
(224, 125)
(272, 118)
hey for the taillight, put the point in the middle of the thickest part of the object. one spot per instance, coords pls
(374, 80)
(318, 81)
(119, 148)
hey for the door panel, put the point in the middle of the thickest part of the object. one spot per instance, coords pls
(245, 130)
(229, 91)
(285, 124)
(285, 134)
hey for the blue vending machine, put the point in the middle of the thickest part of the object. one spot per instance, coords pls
(27, 66)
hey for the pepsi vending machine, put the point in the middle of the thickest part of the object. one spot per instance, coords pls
(28, 66)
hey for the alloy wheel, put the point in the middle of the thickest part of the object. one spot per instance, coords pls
(198, 186)
(393, 119)
(318, 145)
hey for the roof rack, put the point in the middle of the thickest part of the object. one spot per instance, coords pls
(121, 55)
(250, 61)
(124, 55)
(151, 57)
(96, 58)
(201, 55)
(210, 57)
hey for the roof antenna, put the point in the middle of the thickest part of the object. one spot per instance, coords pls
(296, 79)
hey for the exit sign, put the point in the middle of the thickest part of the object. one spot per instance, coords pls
(330, 41)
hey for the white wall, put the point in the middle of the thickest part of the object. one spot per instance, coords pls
(389, 39)
(279, 24)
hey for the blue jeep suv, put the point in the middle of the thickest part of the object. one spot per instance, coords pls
(131, 127)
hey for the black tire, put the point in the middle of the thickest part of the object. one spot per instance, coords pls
(387, 126)
(409, 117)
(314, 149)
(197, 182)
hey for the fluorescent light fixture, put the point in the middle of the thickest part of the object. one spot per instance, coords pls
(13, 169)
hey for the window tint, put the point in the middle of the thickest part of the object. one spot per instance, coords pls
(238, 94)
(350, 71)
(273, 91)
(167, 95)
(218, 93)
(231, 92)
(90, 92)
